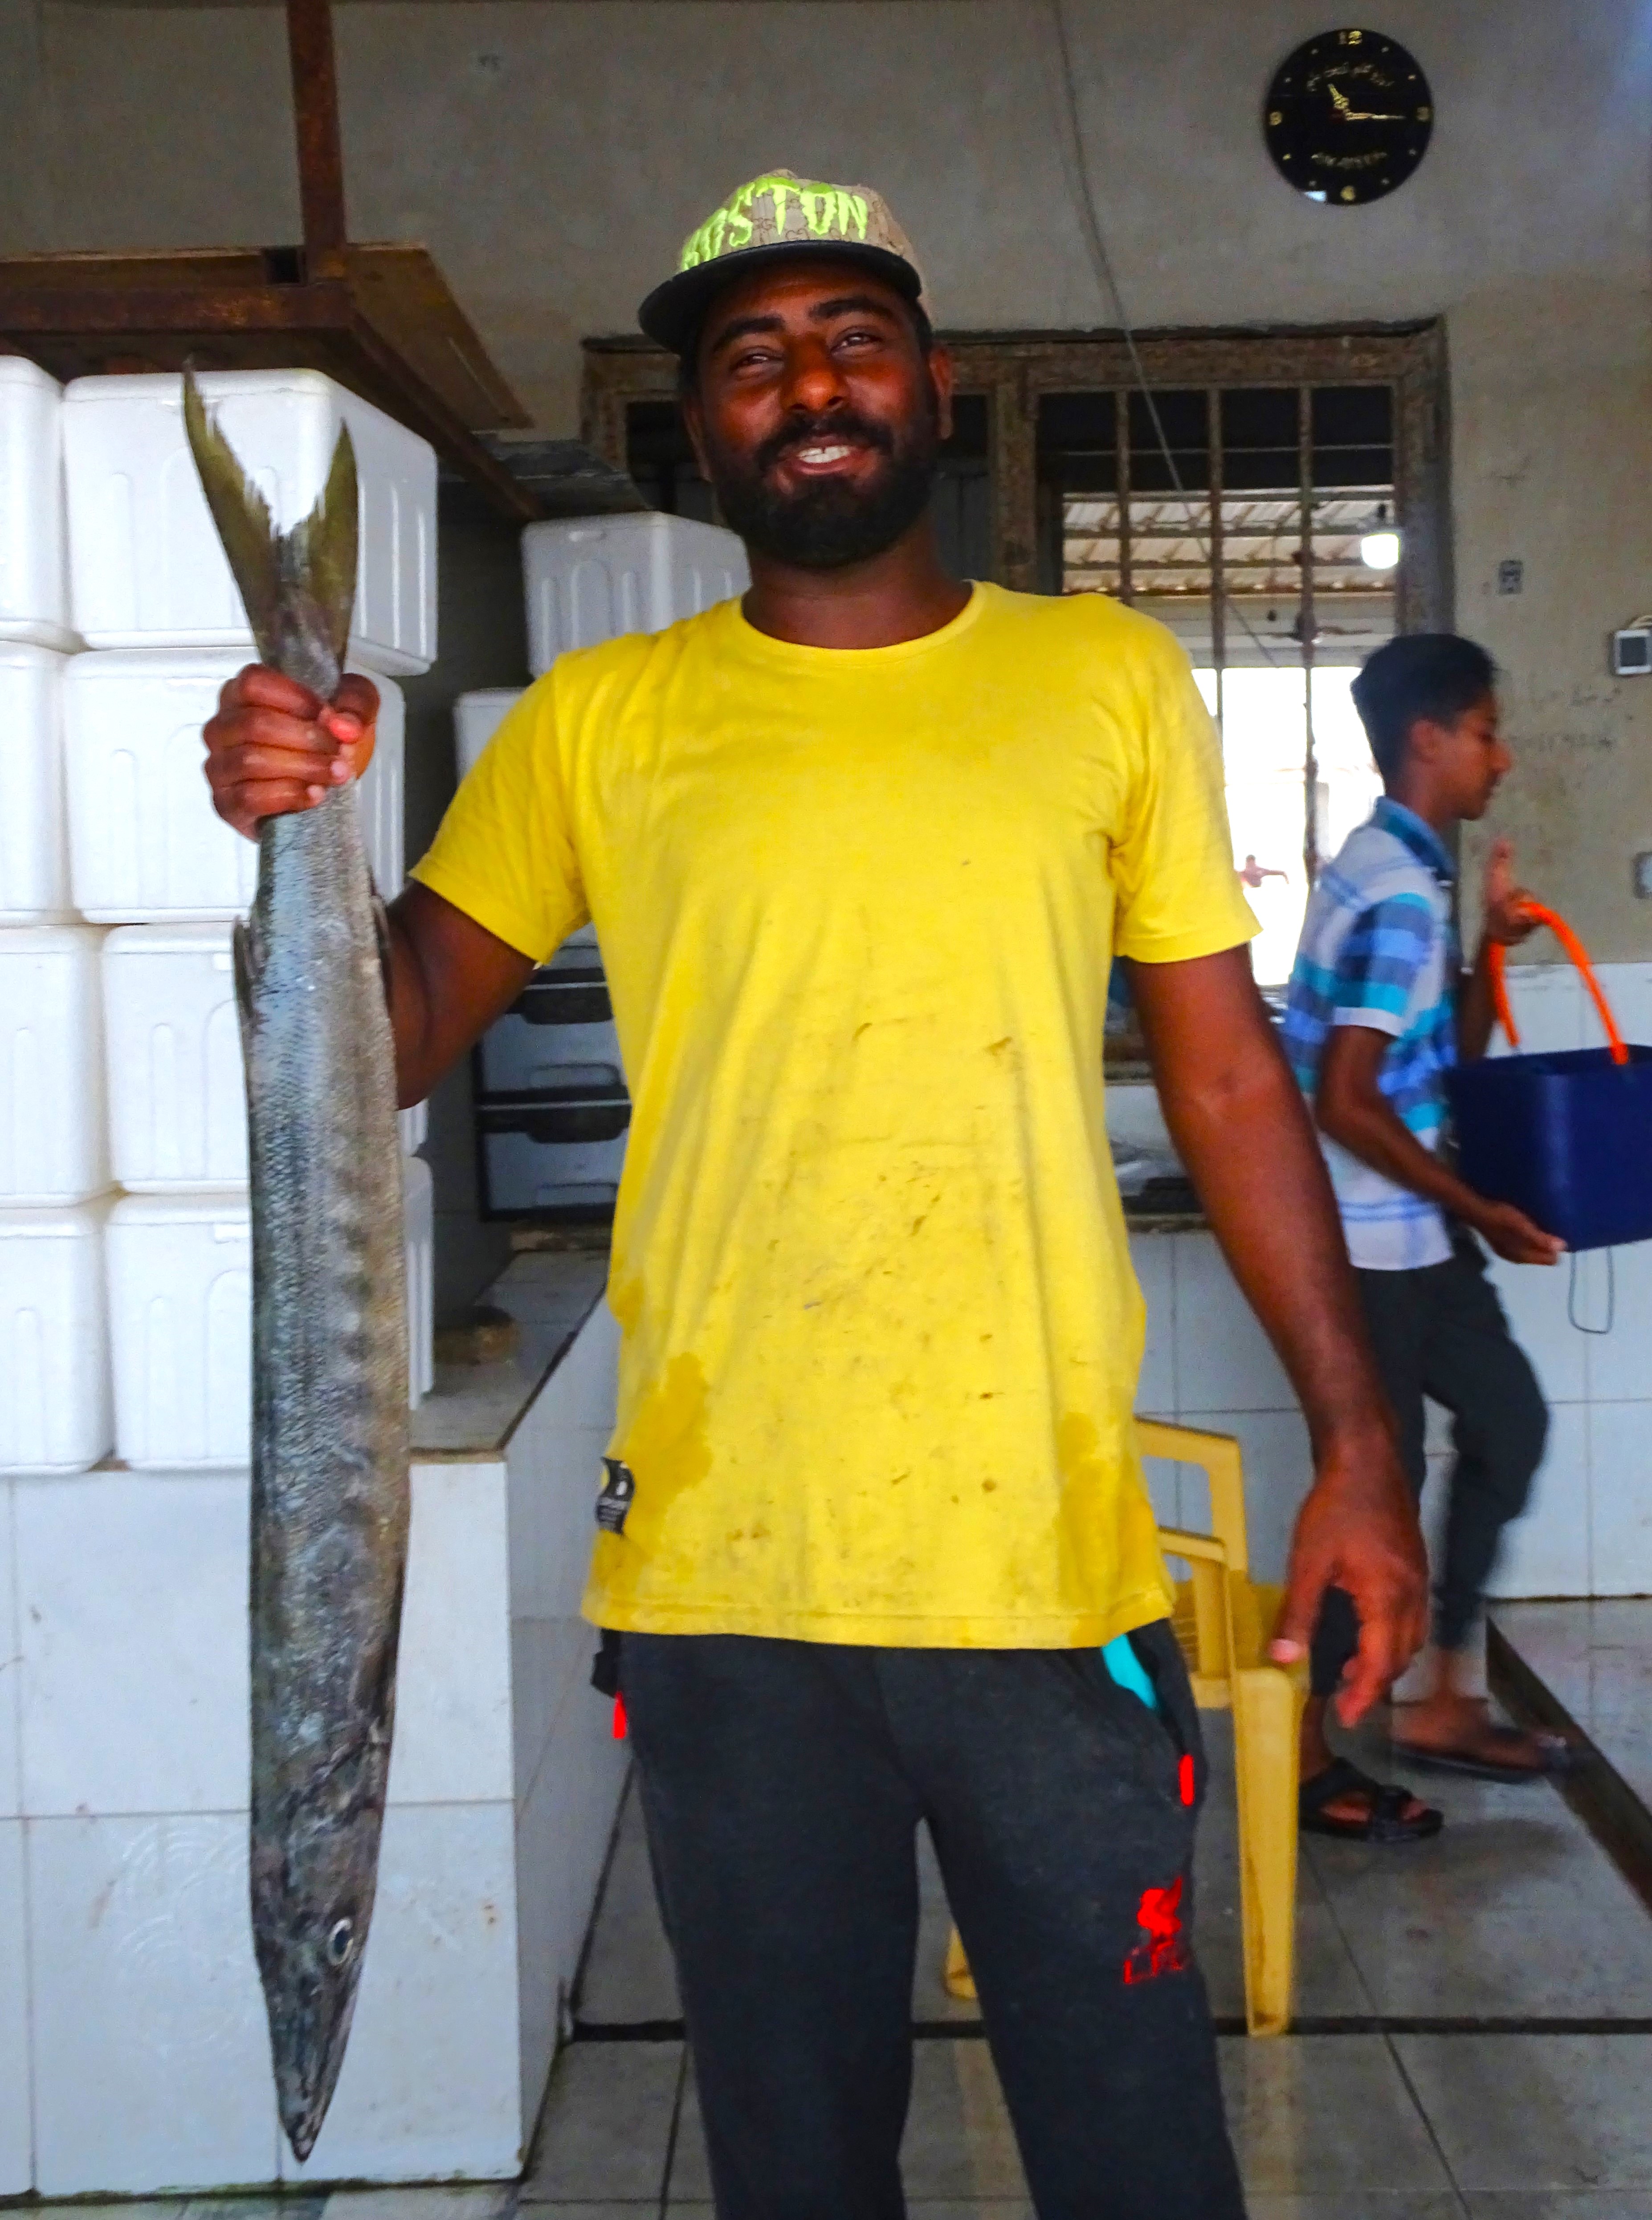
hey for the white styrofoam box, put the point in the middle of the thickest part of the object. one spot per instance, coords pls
(133, 1604)
(419, 1205)
(414, 1126)
(177, 1085)
(591, 578)
(180, 1328)
(382, 793)
(176, 1077)
(55, 1412)
(52, 1141)
(16, 2127)
(145, 1989)
(33, 830)
(1135, 1118)
(428, 2088)
(33, 570)
(1545, 1552)
(144, 842)
(145, 565)
(476, 718)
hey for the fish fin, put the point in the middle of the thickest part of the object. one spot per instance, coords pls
(245, 956)
(242, 517)
(324, 546)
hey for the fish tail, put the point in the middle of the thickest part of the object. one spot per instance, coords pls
(242, 517)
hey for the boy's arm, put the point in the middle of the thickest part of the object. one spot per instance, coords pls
(1352, 1110)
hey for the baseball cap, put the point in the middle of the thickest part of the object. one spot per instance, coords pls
(777, 216)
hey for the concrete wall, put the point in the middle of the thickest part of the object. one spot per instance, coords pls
(553, 155)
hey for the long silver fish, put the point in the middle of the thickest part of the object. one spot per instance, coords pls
(329, 1526)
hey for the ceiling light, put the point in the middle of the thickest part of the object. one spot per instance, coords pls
(1380, 544)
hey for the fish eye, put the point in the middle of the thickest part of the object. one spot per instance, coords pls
(339, 1941)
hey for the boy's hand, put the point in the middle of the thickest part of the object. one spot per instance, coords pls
(1508, 919)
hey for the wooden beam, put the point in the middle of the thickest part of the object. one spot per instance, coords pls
(321, 149)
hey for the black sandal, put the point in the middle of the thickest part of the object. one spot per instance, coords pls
(1554, 1753)
(1386, 1820)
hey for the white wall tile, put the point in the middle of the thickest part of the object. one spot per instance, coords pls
(17, 2126)
(562, 1842)
(11, 1786)
(550, 1666)
(1618, 1290)
(1546, 1552)
(1535, 1299)
(1548, 1004)
(1620, 1499)
(429, 2084)
(453, 1693)
(133, 1590)
(1153, 1255)
(1224, 1360)
(151, 2059)
(1628, 988)
(1278, 1473)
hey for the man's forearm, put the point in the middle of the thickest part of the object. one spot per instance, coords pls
(1240, 1125)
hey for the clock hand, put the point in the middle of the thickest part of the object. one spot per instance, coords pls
(1341, 98)
(1364, 115)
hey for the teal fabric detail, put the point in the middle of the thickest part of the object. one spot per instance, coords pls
(1127, 1669)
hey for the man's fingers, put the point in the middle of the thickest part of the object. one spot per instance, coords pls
(357, 697)
(1298, 1613)
(256, 686)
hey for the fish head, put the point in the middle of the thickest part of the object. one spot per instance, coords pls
(312, 1903)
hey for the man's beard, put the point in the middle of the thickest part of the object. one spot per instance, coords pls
(831, 522)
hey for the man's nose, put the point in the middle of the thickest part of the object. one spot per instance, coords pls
(813, 382)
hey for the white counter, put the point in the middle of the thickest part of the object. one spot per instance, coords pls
(133, 2057)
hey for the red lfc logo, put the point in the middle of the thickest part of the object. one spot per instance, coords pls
(1162, 1948)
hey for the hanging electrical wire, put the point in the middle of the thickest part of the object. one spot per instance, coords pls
(1096, 245)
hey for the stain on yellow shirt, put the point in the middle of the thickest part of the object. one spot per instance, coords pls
(857, 910)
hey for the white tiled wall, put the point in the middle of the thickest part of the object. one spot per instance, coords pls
(17, 2134)
(10, 1663)
(453, 1692)
(151, 2062)
(429, 2083)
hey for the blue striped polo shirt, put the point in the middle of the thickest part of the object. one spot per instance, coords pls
(1380, 949)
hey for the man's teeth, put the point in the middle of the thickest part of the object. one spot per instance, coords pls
(822, 454)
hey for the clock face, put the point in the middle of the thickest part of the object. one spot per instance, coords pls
(1347, 117)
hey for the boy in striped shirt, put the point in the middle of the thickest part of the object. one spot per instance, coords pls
(1379, 1010)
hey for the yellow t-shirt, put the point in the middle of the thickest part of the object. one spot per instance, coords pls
(857, 910)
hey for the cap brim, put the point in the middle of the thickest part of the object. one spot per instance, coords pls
(673, 311)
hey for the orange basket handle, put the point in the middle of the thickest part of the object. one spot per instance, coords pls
(1497, 958)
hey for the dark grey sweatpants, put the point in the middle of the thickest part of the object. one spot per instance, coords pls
(1440, 1332)
(783, 1784)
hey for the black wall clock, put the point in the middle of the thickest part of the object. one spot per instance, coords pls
(1348, 116)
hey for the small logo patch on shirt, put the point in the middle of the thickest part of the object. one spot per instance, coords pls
(615, 1502)
(1163, 1947)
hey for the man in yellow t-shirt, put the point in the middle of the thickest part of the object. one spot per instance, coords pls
(872, 1539)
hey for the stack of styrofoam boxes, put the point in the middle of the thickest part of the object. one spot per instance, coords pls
(153, 599)
(54, 1403)
(551, 1108)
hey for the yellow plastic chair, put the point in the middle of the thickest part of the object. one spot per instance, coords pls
(1223, 1619)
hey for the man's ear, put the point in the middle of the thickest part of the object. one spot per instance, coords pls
(1424, 739)
(941, 377)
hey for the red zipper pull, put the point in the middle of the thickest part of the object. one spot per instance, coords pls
(1186, 1771)
(619, 1727)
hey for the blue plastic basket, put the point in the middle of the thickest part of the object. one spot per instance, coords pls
(1566, 1137)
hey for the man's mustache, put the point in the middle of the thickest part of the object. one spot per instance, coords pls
(840, 425)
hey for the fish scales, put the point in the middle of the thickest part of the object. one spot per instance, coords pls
(330, 1434)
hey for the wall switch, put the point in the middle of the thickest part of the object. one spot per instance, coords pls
(1510, 576)
(1631, 652)
(1643, 874)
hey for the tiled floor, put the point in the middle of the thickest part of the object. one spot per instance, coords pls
(1596, 1659)
(1513, 1914)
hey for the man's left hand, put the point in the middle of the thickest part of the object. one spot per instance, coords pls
(1357, 1530)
